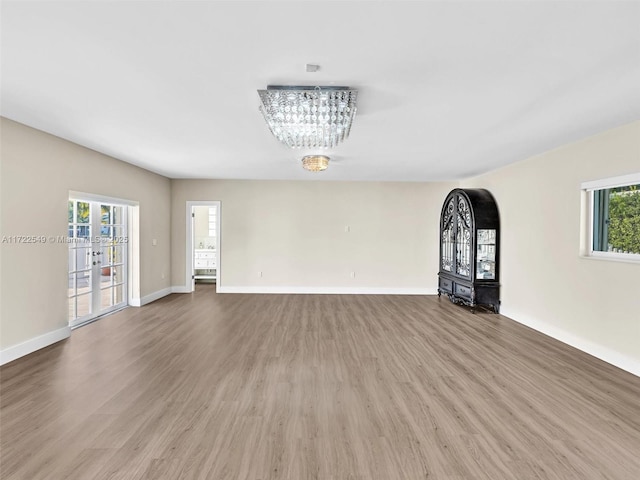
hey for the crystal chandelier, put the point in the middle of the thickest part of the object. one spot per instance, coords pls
(309, 117)
(315, 163)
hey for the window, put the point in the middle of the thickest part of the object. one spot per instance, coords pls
(614, 220)
(212, 221)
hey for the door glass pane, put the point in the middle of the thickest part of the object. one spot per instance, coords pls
(118, 294)
(105, 277)
(72, 258)
(106, 300)
(105, 214)
(118, 234)
(111, 296)
(83, 282)
(486, 254)
(463, 238)
(111, 275)
(83, 210)
(447, 237)
(118, 215)
(72, 308)
(82, 257)
(72, 284)
(83, 305)
(106, 232)
(116, 254)
(84, 231)
(118, 274)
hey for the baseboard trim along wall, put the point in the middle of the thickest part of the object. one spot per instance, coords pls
(25, 348)
(138, 302)
(327, 290)
(180, 289)
(605, 354)
(152, 297)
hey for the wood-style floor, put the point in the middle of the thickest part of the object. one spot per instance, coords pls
(211, 386)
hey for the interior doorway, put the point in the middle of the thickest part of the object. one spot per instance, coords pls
(203, 242)
(97, 274)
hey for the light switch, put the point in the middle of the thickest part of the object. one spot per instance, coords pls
(154, 242)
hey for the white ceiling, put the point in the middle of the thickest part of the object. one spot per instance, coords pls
(446, 89)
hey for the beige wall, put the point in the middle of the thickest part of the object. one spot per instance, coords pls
(294, 233)
(37, 172)
(593, 304)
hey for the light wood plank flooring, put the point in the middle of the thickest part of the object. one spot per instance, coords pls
(211, 386)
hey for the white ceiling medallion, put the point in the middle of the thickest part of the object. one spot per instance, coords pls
(315, 163)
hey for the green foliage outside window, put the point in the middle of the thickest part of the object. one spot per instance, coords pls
(624, 219)
(82, 212)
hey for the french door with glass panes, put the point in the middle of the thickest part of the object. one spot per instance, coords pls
(97, 240)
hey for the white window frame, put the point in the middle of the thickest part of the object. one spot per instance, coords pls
(587, 189)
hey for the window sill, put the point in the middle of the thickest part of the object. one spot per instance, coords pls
(614, 258)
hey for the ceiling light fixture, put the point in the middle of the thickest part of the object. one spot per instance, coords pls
(309, 117)
(315, 163)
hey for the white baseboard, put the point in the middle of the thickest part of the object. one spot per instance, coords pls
(327, 290)
(152, 297)
(180, 289)
(616, 359)
(25, 348)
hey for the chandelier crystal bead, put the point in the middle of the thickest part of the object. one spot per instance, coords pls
(309, 117)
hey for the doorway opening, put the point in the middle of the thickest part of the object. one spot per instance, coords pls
(203, 243)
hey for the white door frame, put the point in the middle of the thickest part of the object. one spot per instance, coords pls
(189, 280)
(133, 246)
(130, 253)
